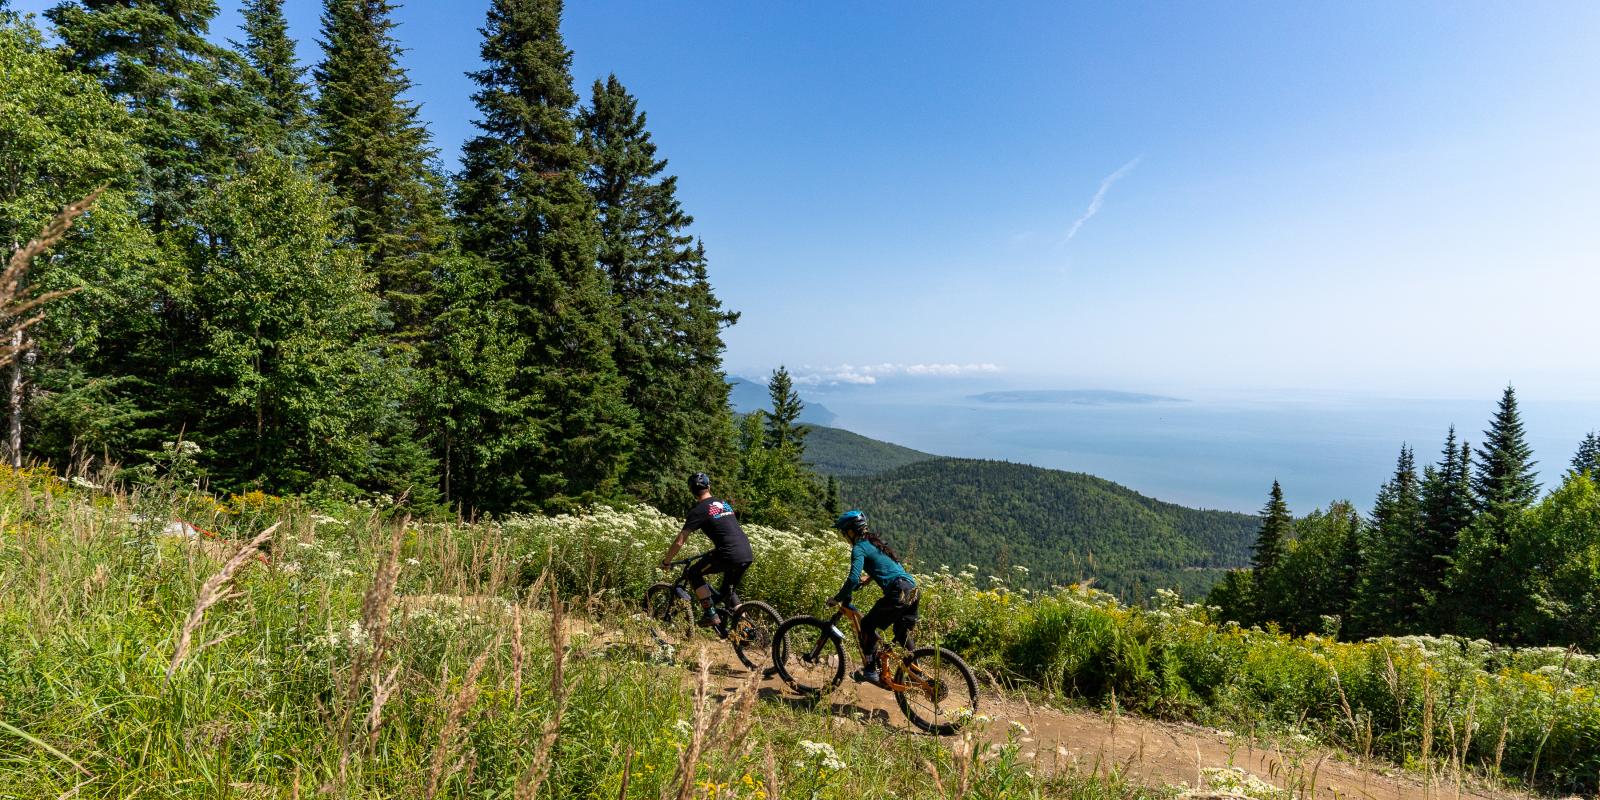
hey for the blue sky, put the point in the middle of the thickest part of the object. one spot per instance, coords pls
(1397, 199)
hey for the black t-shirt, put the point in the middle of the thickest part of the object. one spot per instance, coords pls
(716, 520)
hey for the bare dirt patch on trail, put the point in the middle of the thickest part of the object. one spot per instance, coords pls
(1211, 763)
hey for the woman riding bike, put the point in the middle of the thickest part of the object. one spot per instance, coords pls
(897, 607)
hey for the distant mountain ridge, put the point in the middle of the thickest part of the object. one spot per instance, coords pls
(746, 396)
(1077, 397)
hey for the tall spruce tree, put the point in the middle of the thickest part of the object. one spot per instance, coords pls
(1268, 604)
(154, 56)
(1275, 520)
(1505, 477)
(1446, 512)
(524, 208)
(376, 152)
(669, 344)
(1388, 598)
(273, 77)
(1485, 585)
(784, 431)
(1587, 459)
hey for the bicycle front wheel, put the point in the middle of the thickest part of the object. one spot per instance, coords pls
(941, 693)
(670, 614)
(751, 631)
(808, 655)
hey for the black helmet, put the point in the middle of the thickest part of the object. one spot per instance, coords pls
(699, 482)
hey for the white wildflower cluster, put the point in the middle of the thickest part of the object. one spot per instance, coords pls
(181, 448)
(823, 753)
(1235, 781)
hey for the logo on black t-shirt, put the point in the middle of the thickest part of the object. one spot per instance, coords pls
(718, 508)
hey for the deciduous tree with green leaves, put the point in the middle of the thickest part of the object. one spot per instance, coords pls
(65, 137)
(287, 387)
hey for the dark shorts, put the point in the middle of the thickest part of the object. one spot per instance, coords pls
(897, 607)
(713, 563)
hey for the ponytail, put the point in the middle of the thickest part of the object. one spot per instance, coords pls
(878, 543)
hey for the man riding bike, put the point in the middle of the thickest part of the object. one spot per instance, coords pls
(901, 598)
(730, 554)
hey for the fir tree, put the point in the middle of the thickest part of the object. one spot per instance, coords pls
(1505, 477)
(524, 208)
(1389, 600)
(375, 151)
(1270, 540)
(154, 56)
(1485, 585)
(669, 343)
(1446, 512)
(274, 79)
(1587, 459)
(784, 431)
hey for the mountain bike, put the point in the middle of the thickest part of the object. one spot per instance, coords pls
(933, 686)
(748, 626)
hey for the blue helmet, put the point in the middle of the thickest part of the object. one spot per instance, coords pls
(699, 482)
(853, 521)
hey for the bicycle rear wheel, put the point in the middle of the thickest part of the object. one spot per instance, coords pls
(941, 692)
(808, 655)
(670, 614)
(751, 631)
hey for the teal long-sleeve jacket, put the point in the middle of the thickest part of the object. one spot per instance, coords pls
(879, 566)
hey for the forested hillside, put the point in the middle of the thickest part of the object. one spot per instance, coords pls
(838, 452)
(1038, 527)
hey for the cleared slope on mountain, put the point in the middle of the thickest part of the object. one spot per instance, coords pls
(1062, 526)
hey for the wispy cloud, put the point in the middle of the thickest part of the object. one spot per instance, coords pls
(868, 374)
(1100, 198)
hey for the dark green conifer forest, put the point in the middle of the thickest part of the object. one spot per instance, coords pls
(1467, 548)
(284, 290)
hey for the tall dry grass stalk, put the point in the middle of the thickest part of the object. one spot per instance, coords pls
(444, 763)
(214, 591)
(539, 768)
(16, 303)
(1427, 735)
(366, 668)
(697, 737)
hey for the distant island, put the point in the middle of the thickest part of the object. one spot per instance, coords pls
(1076, 397)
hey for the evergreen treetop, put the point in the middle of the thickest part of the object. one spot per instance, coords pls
(1274, 527)
(1587, 459)
(669, 342)
(277, 82)
(1505, 475)
(376, 152)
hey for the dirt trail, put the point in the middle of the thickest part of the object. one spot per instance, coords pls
(1152, 752)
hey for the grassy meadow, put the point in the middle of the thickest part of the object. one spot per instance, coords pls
(355, 653)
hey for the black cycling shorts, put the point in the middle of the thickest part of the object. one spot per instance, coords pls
(712, 563)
